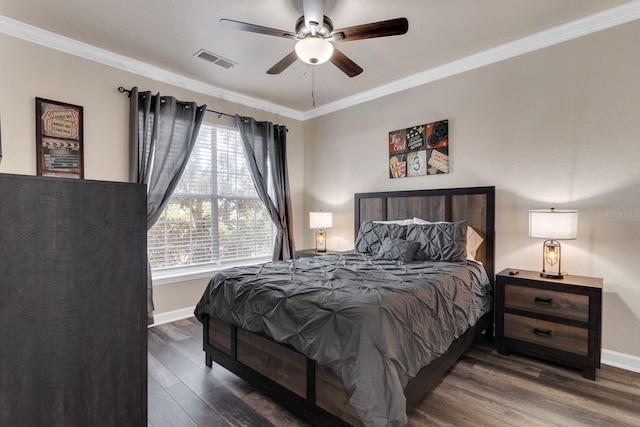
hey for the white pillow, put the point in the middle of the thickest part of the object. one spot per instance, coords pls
(424, 221)
(397, 221)
(474, 240)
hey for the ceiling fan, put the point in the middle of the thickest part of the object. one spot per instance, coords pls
(315, 34)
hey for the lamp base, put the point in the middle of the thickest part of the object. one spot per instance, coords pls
(321, 241)
(551, 257)
(551, 275)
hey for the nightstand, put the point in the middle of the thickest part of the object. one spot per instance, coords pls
(305, 253)
(559, 320)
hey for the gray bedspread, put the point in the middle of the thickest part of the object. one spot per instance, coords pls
(375, 323)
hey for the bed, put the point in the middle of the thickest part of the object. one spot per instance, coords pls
(357, 318)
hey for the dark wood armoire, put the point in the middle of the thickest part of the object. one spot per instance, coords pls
(73, 321)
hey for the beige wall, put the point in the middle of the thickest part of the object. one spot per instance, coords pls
(28, 71)
(558, 127)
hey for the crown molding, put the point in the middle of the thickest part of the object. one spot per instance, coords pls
(581, 27)
(55, 41)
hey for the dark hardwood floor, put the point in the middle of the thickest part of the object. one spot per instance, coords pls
(483, 389)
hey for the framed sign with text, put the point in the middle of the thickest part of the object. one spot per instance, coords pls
(419, 150)
(59, 140)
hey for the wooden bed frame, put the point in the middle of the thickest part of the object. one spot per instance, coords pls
(312, 391)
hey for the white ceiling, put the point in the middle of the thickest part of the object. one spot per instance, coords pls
(167, 33)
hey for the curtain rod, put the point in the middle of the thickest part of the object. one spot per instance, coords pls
(123, 90)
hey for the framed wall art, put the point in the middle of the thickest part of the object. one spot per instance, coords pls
(59, 140)
(419, 150)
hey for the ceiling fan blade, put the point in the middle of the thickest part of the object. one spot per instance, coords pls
(313, 12)
(392, 27)
(347, 66)
(283, 63)
(244, 26)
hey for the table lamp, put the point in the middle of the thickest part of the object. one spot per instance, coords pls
(552, 225)
(320, 221)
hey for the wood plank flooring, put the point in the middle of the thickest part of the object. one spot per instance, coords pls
(483, 389)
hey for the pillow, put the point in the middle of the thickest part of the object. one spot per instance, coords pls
(442, 241)
(423, 221)
(396, 221)
(397, 250)
(474, 240)
(371, 235)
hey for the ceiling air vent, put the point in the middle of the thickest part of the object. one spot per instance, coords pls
(214, 59)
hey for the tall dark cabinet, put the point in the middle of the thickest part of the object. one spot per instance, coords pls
(73, 327)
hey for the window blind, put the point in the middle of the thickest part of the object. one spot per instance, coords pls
(214, 215)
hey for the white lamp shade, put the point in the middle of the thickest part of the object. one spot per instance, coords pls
(553, 224)
(314, 50)
(320, 220)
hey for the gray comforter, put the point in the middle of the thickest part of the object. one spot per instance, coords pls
(375, 323)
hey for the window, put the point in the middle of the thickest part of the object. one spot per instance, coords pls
(215, 216)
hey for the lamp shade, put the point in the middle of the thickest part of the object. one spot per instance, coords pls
(314, 50)
(320, 220)
(553, 224)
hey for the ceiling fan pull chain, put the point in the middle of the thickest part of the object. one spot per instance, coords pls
(313, 86)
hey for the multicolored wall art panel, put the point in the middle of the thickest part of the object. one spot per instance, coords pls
(419, 150)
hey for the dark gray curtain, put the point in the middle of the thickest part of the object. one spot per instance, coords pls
(266, 153)
(162, 133)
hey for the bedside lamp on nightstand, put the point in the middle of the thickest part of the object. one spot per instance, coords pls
(320, 220)
(552, 225)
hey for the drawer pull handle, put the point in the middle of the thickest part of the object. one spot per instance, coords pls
(542, 300)
(542, 332)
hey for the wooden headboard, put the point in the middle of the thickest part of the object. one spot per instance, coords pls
(474, 204)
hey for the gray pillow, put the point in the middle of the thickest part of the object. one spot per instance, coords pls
(371, 235)
(441, 241)
(397, 250)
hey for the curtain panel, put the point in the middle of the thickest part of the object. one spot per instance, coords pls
(162, 134)
(265, 148)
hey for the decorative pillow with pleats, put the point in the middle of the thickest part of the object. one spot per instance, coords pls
(441, 241)
(397, 250)
(371, 235)
(474, 239)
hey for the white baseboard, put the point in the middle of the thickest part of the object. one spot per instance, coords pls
(172, 316)
(621, 360)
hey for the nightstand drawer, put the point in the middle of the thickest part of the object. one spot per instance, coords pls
(555, 335)
(544, 301)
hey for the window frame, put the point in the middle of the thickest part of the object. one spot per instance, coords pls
(174, 274)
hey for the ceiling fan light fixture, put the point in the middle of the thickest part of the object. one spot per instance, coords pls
(314, 50)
